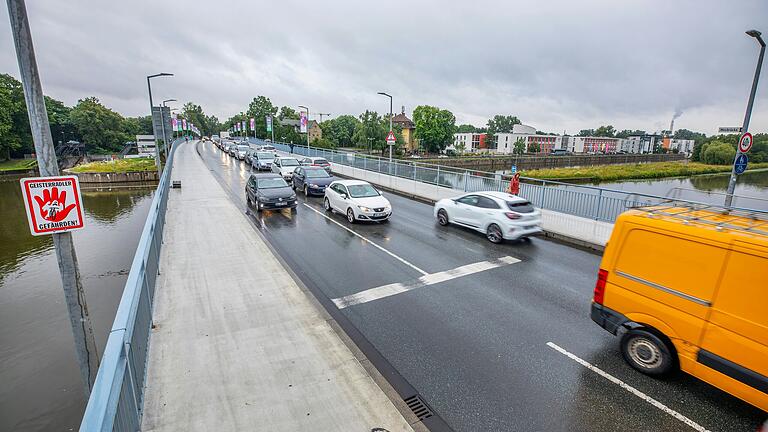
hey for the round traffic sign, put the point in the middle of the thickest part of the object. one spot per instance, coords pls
(740, 164)
(745, 143)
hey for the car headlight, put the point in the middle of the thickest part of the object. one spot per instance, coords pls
(314, 186)
(365, 209)
(292, 197)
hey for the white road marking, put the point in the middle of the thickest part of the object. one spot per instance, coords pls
(402, 260)
(426, 280)
(629, 388)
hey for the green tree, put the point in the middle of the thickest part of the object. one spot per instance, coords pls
(466, 128)
(370, 131)
(102, 130)
(718, 153)
(499, 124)
(605, 131)
(519, 146)
(259, 108)
(586, 132)
(16, 138)
(288, 113)
(460, 147)
(626, 133)
(434, 127)
(340, 130)
(534, 147)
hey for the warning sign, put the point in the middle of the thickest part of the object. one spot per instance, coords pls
(53, 204)
(391, 138)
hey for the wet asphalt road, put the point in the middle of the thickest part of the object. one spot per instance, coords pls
(475, 347)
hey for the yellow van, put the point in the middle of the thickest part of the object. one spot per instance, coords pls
(687, 287)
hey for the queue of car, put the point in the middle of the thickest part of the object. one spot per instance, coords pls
(275, 181)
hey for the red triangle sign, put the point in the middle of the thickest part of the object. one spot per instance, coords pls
(391, 137)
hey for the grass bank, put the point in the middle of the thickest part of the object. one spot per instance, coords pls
(115, 166)
(17, 164)
(632, 171)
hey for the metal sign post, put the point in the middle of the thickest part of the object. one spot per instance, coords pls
(79, 319)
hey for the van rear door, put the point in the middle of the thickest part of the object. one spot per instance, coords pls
(735, 341)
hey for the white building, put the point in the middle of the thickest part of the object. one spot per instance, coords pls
(146, 145)
(505, 142)
(682, 145)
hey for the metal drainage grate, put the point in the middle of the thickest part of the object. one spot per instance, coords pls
(419, 407)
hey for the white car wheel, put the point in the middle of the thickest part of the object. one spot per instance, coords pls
(350, 215)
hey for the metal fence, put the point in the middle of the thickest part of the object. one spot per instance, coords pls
(585, 201)
(117, 397)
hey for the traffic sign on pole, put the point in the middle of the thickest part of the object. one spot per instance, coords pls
(740, 165)
(53, 204)
(391, 138)
(745, 143)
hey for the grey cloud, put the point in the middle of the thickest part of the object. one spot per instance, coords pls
(557, 65)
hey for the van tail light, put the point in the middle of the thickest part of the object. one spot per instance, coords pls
(512, 216)
(602, 278)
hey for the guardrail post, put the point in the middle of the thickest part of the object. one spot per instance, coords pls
(132, 381)
(437, 179)
(599, 201)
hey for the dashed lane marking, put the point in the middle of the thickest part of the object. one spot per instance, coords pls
(426, 280)
(402, 260)
(629, 388)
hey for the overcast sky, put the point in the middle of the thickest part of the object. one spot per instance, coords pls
(557, 65)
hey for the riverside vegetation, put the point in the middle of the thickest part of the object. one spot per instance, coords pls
(119, 165)
(649, 170)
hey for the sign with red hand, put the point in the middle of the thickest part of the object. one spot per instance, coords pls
(53, 204)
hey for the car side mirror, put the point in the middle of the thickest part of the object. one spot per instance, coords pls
(343, 196)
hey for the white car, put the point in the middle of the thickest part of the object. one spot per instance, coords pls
(358, 200)
(285, 167)
(499, 215)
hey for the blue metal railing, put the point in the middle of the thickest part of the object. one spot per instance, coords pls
(117, 397)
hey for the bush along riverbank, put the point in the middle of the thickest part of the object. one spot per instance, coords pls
(18, 165)
(117, 171)
(651, 170)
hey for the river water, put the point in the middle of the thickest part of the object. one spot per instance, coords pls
(41, 388)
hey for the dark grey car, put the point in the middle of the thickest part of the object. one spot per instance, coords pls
(269, 192)
(311, 180)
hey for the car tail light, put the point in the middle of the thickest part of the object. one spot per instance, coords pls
(512, 215)
(602, 278)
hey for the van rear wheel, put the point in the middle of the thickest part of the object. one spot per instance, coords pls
(647, 352)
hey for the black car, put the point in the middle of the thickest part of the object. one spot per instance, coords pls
(269, 192)
(312, 180)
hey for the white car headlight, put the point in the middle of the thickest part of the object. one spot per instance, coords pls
(387, 207)
(365, 209)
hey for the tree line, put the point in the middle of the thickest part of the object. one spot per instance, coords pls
(100, 128)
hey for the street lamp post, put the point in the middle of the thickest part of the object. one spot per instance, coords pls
(302, 106)
(732, 182)
(390, 122)
(152, 107)
(370, 144)
(162, 121)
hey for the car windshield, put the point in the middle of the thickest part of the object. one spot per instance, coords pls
(289, 162)
(265, 155)
(243, 147)
(362, 191)
(520, 207)
(317, 173)
(271, 183)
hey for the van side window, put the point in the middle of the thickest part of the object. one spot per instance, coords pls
(688, 267)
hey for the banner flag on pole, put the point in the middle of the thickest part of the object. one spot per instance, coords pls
(303, 122)
(253, 124)
(184, 124)
(269, 123)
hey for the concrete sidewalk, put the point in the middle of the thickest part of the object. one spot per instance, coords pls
(237, 344)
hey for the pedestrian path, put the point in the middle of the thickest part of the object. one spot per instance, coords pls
(237, 345)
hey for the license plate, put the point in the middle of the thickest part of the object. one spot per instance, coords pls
(282, 203)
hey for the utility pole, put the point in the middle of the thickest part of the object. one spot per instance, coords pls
(390, 123)
(152, 117)
(732, 182)
(79, 319)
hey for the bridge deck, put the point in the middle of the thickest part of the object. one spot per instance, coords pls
(237, 344)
